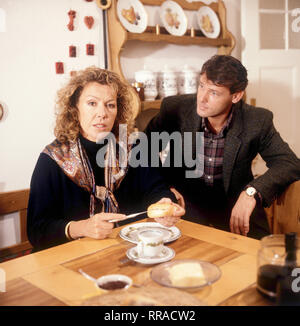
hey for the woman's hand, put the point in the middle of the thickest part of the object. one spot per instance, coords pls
(179, 197)
(96, 227)
(170, 221)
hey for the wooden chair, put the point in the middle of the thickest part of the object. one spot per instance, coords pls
(11, 202)
(284, 213)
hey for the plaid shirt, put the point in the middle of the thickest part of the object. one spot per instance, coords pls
(214, 151)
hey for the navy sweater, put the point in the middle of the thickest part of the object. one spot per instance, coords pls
(55, 199)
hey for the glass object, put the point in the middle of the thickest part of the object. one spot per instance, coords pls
(272, 27)
(186, 274)
(272, 4)
(139, 88)
(275, 264)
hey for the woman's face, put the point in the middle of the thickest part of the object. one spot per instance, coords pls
(97, 106)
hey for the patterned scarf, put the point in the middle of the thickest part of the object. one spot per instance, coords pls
(72, 159)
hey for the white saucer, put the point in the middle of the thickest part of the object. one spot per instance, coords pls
(166, 255)
(130, 232)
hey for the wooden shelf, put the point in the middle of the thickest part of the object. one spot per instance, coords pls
(148, 105)
(118, 36)
(181, 40)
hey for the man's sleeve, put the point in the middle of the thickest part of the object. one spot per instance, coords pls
(283, 165)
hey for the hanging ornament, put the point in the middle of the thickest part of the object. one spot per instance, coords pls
(72, 51)
(89, 21)
(72, 15)
(90, 49)
(59, 67)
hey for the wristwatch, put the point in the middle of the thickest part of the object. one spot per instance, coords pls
(252, 192)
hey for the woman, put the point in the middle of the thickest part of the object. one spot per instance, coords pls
(71, 196)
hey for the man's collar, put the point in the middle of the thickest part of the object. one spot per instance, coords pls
(205, 126)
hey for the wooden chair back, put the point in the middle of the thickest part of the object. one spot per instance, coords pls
(11, 202)
(284, 214)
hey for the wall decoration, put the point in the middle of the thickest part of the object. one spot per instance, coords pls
(90, 49)
(1, 111)
(89, 21)
(59, 67)
(72, 51)
(72, 15)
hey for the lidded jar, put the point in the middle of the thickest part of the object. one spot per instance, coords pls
(148, 78)
(188, 81)
(167, 82)
(277, 257)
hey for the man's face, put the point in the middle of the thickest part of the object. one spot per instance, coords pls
(213, 101)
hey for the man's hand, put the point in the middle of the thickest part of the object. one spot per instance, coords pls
(240, 214)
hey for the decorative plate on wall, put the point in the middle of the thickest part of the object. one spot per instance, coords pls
(208, 22)
(173, 18)
(132, 15)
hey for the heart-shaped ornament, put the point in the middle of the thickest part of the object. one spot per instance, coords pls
(89, 21)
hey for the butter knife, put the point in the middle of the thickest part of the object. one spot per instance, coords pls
(127, 216)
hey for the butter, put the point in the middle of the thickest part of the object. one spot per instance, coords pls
(186, 274)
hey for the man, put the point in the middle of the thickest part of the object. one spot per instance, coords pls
(227, 196)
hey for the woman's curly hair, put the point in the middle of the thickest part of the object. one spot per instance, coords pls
(67, 126)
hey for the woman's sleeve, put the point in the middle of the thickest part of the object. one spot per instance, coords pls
(45, 217)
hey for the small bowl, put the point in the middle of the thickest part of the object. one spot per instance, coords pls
(114, 282)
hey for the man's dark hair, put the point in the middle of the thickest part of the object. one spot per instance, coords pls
(225, 70)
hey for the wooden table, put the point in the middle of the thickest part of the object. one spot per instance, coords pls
(51, 277)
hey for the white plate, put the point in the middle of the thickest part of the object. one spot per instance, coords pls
(211, 273)
(132, 15)
(130, 232)
(166, 255)
(173, 18)
(208, 22)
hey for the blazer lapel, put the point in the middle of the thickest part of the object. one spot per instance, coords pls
(232, 146)
(191, 123)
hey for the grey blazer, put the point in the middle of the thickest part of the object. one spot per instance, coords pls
(251, 132)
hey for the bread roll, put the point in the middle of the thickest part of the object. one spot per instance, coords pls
(160, 210)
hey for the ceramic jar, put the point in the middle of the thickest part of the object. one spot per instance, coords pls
(167, 83)
(149, 79)
(188, 81)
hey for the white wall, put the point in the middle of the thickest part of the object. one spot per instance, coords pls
(35, 38)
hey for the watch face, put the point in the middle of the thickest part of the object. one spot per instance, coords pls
(251, 191)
